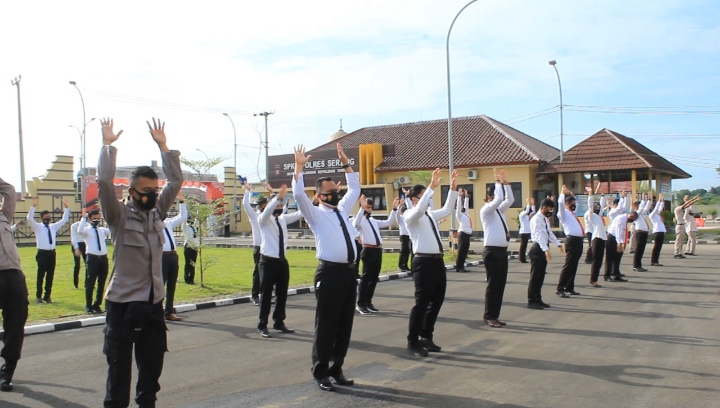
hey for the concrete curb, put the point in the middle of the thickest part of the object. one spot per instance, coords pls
(182, 308)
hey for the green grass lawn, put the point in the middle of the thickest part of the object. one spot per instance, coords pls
(231, 275)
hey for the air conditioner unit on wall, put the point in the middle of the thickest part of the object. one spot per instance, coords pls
(472, 174)
(404, 180)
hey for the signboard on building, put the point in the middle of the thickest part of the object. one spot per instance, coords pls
(665, 185)
(321, 164)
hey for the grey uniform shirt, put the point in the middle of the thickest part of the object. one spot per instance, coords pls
(137, 235)
(9, 256)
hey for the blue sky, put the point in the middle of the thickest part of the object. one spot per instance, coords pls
(369, 63)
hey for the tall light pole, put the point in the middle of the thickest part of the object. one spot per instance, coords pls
(80, 133)
(235, 181)
(554, 64)
(451, 167)
(16, 82)
(82, 152)
(206, 156)
(267, 163)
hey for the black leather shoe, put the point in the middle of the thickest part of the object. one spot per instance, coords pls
(656, 264)
(362, 310)
(641, 269)
(462, 270)
(256, 301)
(429, 345)
(6, 375)
(606, 278)
(97, 310)
(417, 350)
(265, 333)
(493, 323)
(282, 328)
(618, 279)
(340, 379)
(370, 308)
(324, 384)
(561, 294)
(89, 311)
(47, 300)
(572, 292)
(690, 254)
(679, 257)
(543, 304)
(534, 305)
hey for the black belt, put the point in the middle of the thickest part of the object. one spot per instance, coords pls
(574, 237)
(99, 256)
(679, 225)
(641, 232)
(271, 257)
(436, 256)
(46, 250)
(169, 252)
(337, 264)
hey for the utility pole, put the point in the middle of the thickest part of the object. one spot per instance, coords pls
(267, 163)
(16, 82)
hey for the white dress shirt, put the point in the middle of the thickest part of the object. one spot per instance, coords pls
(323, 221)
(492, 215)
(570, 222)
(525, 215)
(656, 217)
(74, 237)
(464, 220)
(596, 224)
(540, 232)
(366, 225)
(41, 231)
(91, 236)
(170, 224)
(679, 215)
(690, 224)
(422, 223)
(641, 223)
(618, 228)
(622, 208)
(191, 238)
(268, 222)
(253, 217)
(402, 226)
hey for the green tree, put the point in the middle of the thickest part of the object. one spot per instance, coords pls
(421, 177)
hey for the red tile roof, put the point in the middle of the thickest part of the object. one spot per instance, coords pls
(477, 141)
(607, 150)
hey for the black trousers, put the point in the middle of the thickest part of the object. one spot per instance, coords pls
(46, 272)
(371, 265)
(657, 247)
(149, 339)
(76, 269)
(97, 270)
(430, 284)
(538, 269)
(642, 237)
(612, 257)
(406, 252)
(598, 248)
(14, 305)
(463, 248)
(190, 259)
(573, 253)
(524, 238)
(170, 270)
(274, 274)
(335, 289)
(496, 268)
(359, 248)
(590, 250)
(255, 292)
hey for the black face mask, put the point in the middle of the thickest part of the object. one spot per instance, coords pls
(46, 221)
(95, 222)
(147, 200)
(462, 210)
(573, 207)
(332, 198)
(596, 211)
(547, 213)
(278, 213)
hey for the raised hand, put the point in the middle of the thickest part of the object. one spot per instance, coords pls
(65, 203)
(532, 201)
(589, 190)
(301, 158)
(283, 191)
(396, 203)
(36, 201)
(453, 180)
(107, 131)
(405, 191)
(248, 187)
(157, 131)
(435, 178)
(268, 187)
(503, 176)
(363, 200)
(83, 212)
(341, 155)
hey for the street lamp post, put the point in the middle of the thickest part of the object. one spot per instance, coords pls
(554, 65)
(82, 151)
(450, 128)
(235, 170)
(206, 156)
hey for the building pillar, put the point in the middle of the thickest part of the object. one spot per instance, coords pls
(561, 182)
(633, 183)
(650, 183)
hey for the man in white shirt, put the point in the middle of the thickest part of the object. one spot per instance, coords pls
(95, 238)
(540, 253)
(680, 226)
(597, 233)
(525, 215)
(465, 230)
(617, 239)
(405, 242)
(691, 229)
(256, 236)
(588, 223)
(659, 230)
(170, 259)
(497, 236)
(273, 266)
(78, 251)
(369, 229)
(574, 236)
(335, 284)
(619, 205)
(428, 266)
(190, 251)
(640, 234)
(641, 207)
(46, 240)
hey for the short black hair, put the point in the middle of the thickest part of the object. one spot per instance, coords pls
(403, 208)
(636, 203)
(370, 201)
(318, 183)
(416, 190)
(491, 191)
(44, 212)
(142, 171)
(548, 203)
(261, 201)
(94, 211)
(570, 199)
(616, 201)
(634, 214)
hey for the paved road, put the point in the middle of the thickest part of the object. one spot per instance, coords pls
(652, 342)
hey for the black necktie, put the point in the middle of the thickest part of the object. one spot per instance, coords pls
(547, 227)
(507, 234)
(348, 241)
(377, 238)
(172, 242)
(194, 231)
(281, 252)
(437, 235)
(49, 234)
(97, 235)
